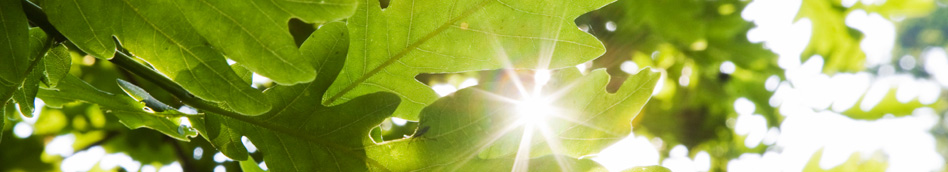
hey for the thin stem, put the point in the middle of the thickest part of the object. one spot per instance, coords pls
(36, 16)
(124, 61)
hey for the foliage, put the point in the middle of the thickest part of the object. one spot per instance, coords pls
(158, 80)
(342, 81)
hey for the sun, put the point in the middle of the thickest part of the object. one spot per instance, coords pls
(534, 109)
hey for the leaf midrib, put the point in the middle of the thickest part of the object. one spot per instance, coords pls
(405, 51)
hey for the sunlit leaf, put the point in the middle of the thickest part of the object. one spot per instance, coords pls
(321, 138)
(248, 30)
(57, 61)
(162, 37)
(473, 126)
(130, 112)
(26, 94)
(654, 168)
(389, 48)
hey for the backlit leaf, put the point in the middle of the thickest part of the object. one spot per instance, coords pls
(389, 48)
(161, 36)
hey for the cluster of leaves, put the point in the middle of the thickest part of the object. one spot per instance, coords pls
(333, 85)
(343, 68)
(695, 105)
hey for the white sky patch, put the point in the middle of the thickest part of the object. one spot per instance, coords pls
(38, 104)
(110, 161)
(629, 67)
(905, 140)
(258, 79)
(660, 84)
(22, 130)
(149, 168)
(776, 28)
(936, 64)
(685, 78)
(220, 168)
(929, 92)
(198, 153)
(771, 137)
(470, 82)
(611, 26)
(702, 161)
(399, 121)
(907, 91)
(184, 121)
(61, 145)
(772, 82)
(247, 144)
(173, 167)
(879, 36)
(627, 153)
(187, 109)
(263, 165)
(84, 160)
(220, 158)
(584, 67)
(907, 62)
(743, 106)
(754, 127)
(806, 96)
(847, 89)
(444, 89)
(728, 67)
(678, 160)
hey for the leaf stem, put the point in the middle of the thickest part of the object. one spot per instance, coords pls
(126, 62)
(123, 60)
(36, 16)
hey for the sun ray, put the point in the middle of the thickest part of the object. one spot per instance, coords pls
(522, 159)
(493, 138)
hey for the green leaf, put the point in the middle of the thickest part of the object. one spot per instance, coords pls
(391, 47)
(832, 38)
(322, 138)
(473, 125)
(57, 61)
(3, 120)
(246, 30)
(129, 111)
(26, 94)
(14, 49)
(653, 168)
(250, 165)
(162, 37)
(544, 163)
(244, 73)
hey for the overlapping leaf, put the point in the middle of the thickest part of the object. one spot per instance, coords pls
(389, 48)
(25, 95)
(473, 126)
(161, 36)
(57, 63)
(246, 30)
(130, 112)
(300, 134)
(14, 46)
